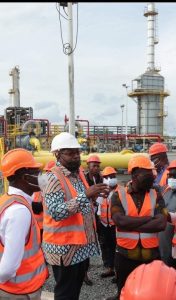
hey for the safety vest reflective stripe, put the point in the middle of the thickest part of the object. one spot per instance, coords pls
(36, 247)
(164, 190)
(148, 235)
(32, 271)
(26, 277)
(135, 236)
(64, 229)
(152, 198)
(122, 195)
(39, 218)
(130, 239)
(105, 215)
(64, 185)
(132, 235)
(30, 252)
(9, 202)
(163, 180)
(27, 254)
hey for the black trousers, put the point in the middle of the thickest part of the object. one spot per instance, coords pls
(69, 281)
(87, 264)
(124, 266)
(107, 240)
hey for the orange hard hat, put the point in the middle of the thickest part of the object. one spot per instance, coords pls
(154, 281)
(157, 148)
(16, 159)
(49, 165)
(108, 171)
(139, 161)
(172, 165)
(93, 158)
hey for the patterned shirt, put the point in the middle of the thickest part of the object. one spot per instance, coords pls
(60, 209)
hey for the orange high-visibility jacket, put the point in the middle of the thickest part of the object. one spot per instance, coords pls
(129, 240)
(37, 197)
(33, 271)
(105, 209)
(163, 180)
(70, 230)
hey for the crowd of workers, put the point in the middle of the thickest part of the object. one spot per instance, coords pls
(67, 215)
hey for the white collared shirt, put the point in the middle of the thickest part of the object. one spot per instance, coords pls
(15, 223)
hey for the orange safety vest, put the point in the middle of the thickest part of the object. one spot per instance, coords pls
(33, 271)
(37, 197)
(105, 209)
(129, 240)
(163, 180)
(69, 231)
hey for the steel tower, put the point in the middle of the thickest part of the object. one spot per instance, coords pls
(149, 93)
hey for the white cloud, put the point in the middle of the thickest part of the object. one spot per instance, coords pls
(111, 50)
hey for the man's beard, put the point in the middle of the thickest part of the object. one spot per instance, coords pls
(73, 166)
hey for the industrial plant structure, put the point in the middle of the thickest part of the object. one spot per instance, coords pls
(149, 92)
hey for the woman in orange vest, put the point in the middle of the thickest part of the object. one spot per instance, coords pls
(138, 212)
(23, 269)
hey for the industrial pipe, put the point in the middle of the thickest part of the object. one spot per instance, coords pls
(117, 160)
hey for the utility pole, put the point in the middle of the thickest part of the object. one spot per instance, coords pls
(71, 72)
(126, 134)
(122, 108)
(144, 131)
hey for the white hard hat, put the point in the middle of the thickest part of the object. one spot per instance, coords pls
(64, 140)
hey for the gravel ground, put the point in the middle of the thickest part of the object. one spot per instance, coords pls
(101, 288)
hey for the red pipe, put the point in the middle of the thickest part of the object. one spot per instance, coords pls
(123, 136)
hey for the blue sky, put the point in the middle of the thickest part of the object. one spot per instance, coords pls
(111, 50)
